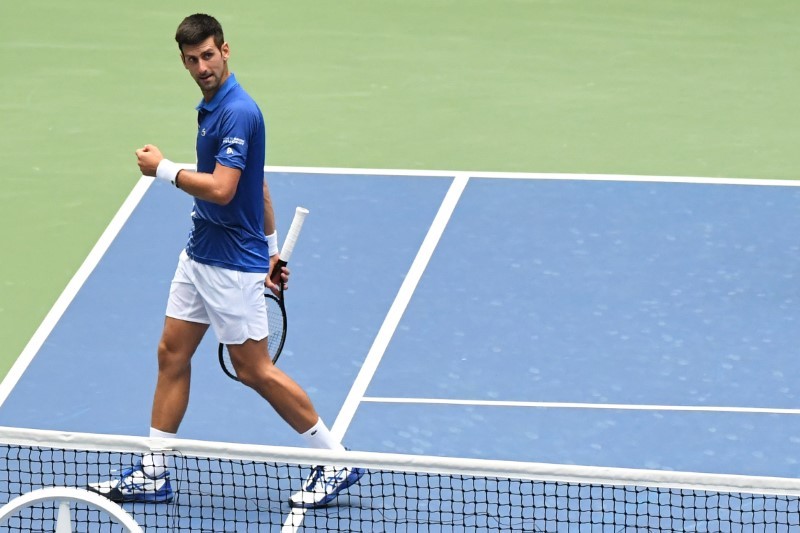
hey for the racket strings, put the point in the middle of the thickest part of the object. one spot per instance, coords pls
(277, 327)
(276, 314)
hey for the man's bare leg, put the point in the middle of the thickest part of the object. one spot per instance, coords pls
(179, 341)
(254, 368)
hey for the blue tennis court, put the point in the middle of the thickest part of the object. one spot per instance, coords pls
(593, 320)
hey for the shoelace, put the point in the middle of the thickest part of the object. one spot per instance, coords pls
(319, 481)
(334, 480)
(129, 483)
(319, 472)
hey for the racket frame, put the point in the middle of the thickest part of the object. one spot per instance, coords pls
(230, 372)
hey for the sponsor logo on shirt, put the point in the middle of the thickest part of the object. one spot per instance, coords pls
(233, 140)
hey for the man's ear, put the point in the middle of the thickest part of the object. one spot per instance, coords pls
(226, 51)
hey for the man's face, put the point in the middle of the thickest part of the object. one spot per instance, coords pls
(207, 64)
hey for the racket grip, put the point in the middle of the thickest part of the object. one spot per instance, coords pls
(275, 276)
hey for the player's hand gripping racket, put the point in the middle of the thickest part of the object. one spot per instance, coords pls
(276, 311)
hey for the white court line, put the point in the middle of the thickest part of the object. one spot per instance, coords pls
(398, 307)
(72, 288)
(295, 519)
(576, 405)
(536, 176)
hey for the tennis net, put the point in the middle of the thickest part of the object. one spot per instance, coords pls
(235, 487)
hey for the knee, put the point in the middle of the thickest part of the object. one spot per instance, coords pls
(256, 377)
(171, 360)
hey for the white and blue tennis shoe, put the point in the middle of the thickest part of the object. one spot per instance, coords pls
(324, 485)
(134, 485)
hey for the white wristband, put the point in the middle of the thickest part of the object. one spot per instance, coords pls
(272, 243)
(167, 171)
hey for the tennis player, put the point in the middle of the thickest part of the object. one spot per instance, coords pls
(221, 274)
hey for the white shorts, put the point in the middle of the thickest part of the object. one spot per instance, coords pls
(231, 301)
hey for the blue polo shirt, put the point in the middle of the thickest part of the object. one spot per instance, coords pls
(231, 132)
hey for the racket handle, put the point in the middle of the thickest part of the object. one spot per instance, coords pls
(275, 276)
(288, 245)
(294, 232)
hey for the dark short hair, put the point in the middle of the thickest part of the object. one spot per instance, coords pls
(196, 28)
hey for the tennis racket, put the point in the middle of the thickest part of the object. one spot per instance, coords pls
(276, 310)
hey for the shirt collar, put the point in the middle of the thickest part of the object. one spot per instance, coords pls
(229, 84)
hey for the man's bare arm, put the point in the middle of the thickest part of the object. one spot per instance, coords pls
(218, 187)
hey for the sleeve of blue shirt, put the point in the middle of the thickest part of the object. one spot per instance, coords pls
(235, 132)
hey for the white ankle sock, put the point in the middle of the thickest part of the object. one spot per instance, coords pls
(319, 436)
(154, 464)
(158, 434)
